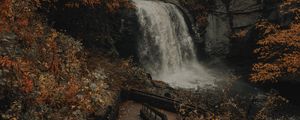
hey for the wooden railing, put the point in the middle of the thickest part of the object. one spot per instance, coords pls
(150, 99)
(149, 113)
(156, 100)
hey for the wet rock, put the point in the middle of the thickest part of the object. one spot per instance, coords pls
(226, 19)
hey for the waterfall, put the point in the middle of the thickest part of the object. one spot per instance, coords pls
(166, 48)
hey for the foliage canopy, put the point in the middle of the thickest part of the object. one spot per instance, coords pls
(279, 50)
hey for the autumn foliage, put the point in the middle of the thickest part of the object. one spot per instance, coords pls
(44, 72)
(109, 5)
(199, 10)
(279, 49)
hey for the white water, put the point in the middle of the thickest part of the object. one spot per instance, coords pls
(166, 48)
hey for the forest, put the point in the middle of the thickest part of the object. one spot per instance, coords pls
(135, 59)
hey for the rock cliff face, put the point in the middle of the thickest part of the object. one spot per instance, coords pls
(226, 18)
(130, 30)
(127, 45)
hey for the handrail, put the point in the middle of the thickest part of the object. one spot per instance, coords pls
(157, 101)
(149, 113)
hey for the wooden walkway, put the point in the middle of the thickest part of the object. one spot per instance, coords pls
(130, 102)
(130, 110)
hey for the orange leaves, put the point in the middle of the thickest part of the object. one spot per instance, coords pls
(280, 56)
(22, 70)
(278, 51)
(52, 50)
(72, 89)
(17, 17)
(5, 14)
(272, 101)
(72, 5)
(19, 66)
(41, 65)
(265, 72)
(292, 62)
(240, 35)
(287, 3)
(23, 22)
(291, 6)
(27, 86)
(110, 5)
(266, 27)
(37, 3)
(47, 86)
(114, 5)
(199, 10)
(51, 38)
(7, 63)
(91, 2)
(202, 20)
(6, 8)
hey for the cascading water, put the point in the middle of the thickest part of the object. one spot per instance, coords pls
(166, 48)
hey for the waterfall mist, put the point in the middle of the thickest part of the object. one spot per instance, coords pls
(166, 48)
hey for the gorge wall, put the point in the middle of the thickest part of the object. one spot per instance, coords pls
(227, 18)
